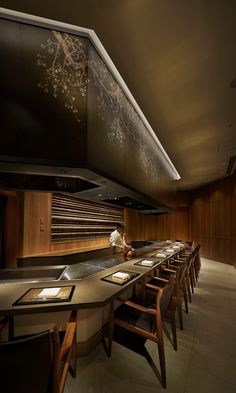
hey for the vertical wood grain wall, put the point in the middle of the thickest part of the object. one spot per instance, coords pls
(11, 234)
(213, 217)
(159, 227)
(208, 217)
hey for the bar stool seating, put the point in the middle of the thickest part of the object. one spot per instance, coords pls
(38, 363)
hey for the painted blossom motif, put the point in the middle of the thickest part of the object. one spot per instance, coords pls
(65, 62)
(67, 59)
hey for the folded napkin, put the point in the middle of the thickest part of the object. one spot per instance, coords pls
(52, 292)
(161, 255)
(121, 275)
(168, 241)
(169, 250)
(176, 247)
(147, 263)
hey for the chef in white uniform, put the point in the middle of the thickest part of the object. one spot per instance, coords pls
(117, 239)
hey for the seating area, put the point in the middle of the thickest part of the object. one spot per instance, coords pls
(204, 361)
(160, 347)
(158, 300)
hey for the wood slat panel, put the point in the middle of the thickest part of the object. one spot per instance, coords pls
(77, 219)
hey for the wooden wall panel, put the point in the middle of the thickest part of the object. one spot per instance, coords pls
(157, 227)
(183, 199)
(36, 220)
(35, 229)
(233, 215)
(134, 225)
(212, 216)
(196, 212)
(11, 228)
(210, 219)
(182, 224)
(221, 211)
(80, 245)
(76, 219)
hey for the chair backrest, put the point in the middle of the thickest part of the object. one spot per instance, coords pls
(189, 242)
(193, 256)
(182, 270)
(26, 365)
(167, 293)
(197, 249)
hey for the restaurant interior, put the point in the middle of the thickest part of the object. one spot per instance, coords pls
(117, 119)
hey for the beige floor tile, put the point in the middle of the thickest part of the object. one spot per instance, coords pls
(199, 381)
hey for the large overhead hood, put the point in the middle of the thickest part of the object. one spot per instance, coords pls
(69, 122)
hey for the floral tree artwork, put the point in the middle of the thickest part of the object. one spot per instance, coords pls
(66, 59)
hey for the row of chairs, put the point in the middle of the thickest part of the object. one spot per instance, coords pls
(141, 317)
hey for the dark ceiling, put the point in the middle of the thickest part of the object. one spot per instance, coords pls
(178, 59)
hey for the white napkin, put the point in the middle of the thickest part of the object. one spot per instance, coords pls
(121, 275)
(161, 255)
(176, 247)
(52, 292)
(147, 263)
(170, 250)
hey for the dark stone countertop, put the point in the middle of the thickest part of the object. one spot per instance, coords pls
(84, 269)
(89, 292)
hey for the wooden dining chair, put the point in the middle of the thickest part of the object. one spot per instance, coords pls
(197, 261)
(38, 363)
(193, 267)
(143, 319)
(168, 313)
(178, 271)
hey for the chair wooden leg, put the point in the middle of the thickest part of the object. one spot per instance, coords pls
(162, 363)
(179, 307)
(173, 329)
(180, 314)
(185, 296)
(195, 270)
(197, 265)
(72, 367)
(110, 329)
(191, 278)
(188, 287)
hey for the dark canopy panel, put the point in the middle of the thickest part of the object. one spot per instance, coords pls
(39, 98)
(62, 105)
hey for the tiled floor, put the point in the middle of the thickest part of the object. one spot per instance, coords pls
(206, 356)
